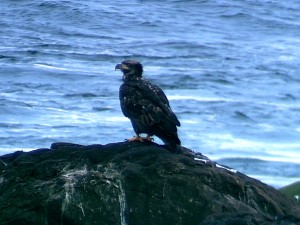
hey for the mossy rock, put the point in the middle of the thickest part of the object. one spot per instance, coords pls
(292, 190)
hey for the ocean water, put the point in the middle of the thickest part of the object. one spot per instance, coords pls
(230, 69)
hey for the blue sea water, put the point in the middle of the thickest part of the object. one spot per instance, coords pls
(230, 69)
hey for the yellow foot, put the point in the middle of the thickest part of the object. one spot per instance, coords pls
(140, 139)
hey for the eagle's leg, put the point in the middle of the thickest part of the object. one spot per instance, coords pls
(149, 138)
(140, 139)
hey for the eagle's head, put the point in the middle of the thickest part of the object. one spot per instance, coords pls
(131, 69)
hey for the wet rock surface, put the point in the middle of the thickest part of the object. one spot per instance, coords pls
(132, 184)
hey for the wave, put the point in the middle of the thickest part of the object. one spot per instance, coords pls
(72, 69)
(231, 146)
(82, 95)
(52, 67)
(275, 181)
(245, 101)
(199, 98)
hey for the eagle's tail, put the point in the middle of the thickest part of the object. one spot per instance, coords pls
(173, 144)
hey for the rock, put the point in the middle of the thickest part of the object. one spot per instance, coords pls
(292, 190)
(132, 184)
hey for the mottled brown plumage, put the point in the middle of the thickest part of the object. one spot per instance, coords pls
(147, 107)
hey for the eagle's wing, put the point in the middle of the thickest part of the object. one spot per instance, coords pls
(159, 98)
(153, 101)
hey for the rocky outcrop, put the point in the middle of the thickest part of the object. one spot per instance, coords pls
(132, 184)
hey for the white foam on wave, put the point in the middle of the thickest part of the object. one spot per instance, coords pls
(51, 67)
(280, 105)
(268, 151)
(199, 98)
(189, 121)
(160, 68)
(275, 181)
(116, 119)
(71, 68)
(202, 96)
(266, 127)
(78, 118)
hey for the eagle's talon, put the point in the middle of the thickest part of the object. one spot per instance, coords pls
(149, 138)
(140, 139)
(135, 138)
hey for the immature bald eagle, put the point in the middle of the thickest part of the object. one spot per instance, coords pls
(147, 107)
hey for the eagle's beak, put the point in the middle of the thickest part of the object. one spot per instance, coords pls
(121, 66)
(118, 66)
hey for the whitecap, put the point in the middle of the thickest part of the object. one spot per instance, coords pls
(232, 146)
(266, 127)
(51, 67)
(199, 98)
(71, 68)
(275, 181)
(189, 121)
(116, 119)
